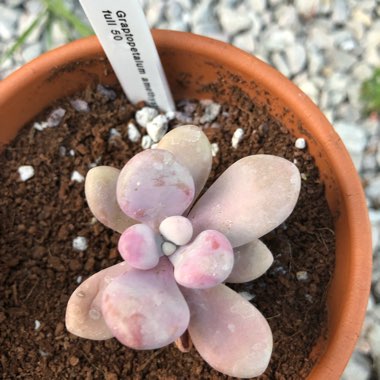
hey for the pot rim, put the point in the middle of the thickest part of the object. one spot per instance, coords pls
(337, 354)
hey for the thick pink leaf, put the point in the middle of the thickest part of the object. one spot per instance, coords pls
(228, 332)
(83, 314)
(251, 198)
(192, 149)
(251, 261)
(205, 262)
(100, 189)
(153, 185)
(139, 247)
(144, 309)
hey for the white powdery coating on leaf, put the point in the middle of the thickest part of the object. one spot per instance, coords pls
(56, 117)
(146, 142)
(145, 115)
(80, 105)
(80, 243)
(214, 149)
(26, 172)
(237, 137)
(157, 127)
(133, 133)
(300, 143)
(77, 177)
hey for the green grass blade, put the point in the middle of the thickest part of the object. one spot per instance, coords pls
(24, 36)
(370, 93)
(60, 11)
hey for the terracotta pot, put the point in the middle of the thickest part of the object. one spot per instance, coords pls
(191, 62)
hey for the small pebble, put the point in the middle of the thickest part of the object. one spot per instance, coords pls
(157, 127)
(237, 137)
(80, 105)
(302, 275)
(134, 134)
(55, 117)
(300, 143)
(170, 115)
(80, 243)
(214, 149)
(146, 142)
(37, 324)
(72, 152)
(106, 92)
(26, 172)
(73, 360)
(77, 177)
(145, 115)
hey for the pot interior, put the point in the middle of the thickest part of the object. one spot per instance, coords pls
(202, 68)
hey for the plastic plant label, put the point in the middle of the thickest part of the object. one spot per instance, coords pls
(122, 29)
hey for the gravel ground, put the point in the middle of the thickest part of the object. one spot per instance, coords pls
(327, 47)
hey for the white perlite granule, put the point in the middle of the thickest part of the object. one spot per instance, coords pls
(146, 142)
(302, 275)
(80, 243)
(114, 132)
(157, 127)
(211, 111)
(76, 176)
(134, 134)
(214, 149)
(26, 172)
(80, 105)
(40, 126)
(55, 117)
(247, 296)
(237, 137)
(37, 324)
(300, 143)
(145, 115)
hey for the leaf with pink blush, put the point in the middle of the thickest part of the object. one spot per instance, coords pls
(145, 309)
(192, 149)
(229, 333)
(251, 261)
(153, 186)
(138, 246)
(100, 189)
(83, 314)
(252, 197)
(205, 262)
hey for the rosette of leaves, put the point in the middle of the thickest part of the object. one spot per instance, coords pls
(178, 252)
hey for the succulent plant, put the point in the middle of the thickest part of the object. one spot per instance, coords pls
(178, 254)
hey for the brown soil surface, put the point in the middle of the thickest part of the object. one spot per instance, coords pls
(39, 268)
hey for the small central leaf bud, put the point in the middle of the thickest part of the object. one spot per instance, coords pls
(177, 229)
